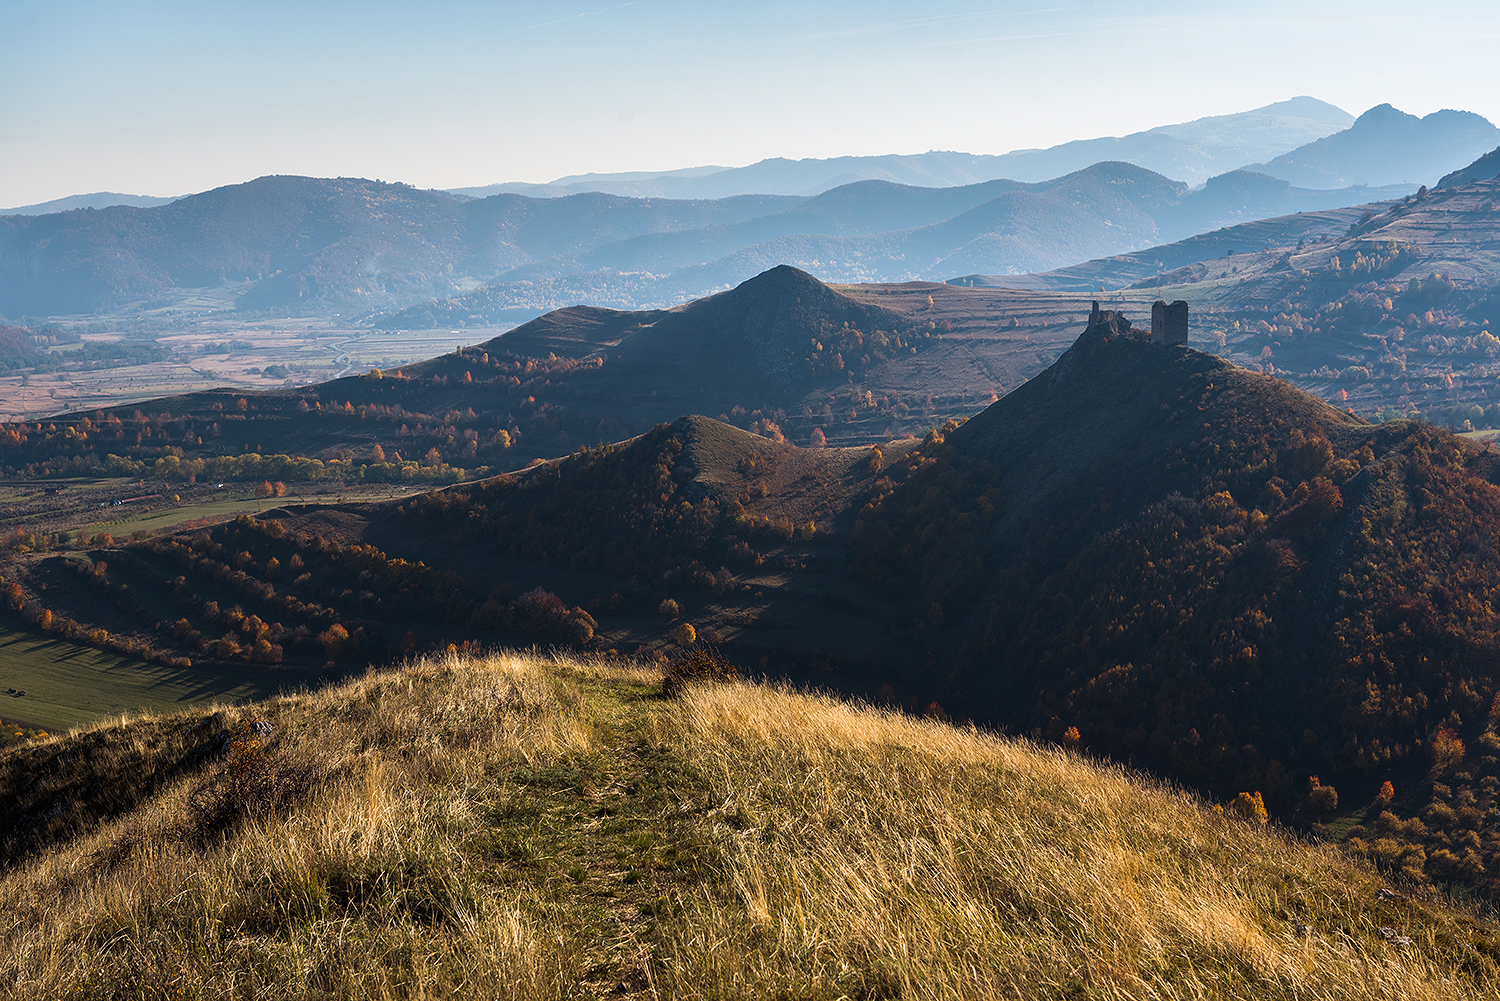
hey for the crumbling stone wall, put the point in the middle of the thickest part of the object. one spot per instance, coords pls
(1169, 323)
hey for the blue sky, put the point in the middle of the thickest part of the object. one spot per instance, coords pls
(167, 97)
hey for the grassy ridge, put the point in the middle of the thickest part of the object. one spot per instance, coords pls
(525, 827)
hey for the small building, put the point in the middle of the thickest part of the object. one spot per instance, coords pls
(1169, 323)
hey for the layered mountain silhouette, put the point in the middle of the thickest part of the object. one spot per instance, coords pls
(93, 200)
(1387, 146)
(1191, 151)
(311, 246)
(851, 234)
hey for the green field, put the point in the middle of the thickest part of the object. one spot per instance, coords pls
(70, 685)
(169, 517)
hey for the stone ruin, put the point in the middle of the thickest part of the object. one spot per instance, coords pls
(1169, 323)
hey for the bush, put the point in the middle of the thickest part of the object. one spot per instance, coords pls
(1249, 806)
(254, 781)
(701, 666)
(1321, 798)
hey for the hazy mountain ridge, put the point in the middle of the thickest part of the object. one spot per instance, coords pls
(1191, 151)
(312, 243)
(1387, 146)
(1105, 209)
(94, 200)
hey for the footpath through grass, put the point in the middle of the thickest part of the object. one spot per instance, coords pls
(609, 840)
(526, 827)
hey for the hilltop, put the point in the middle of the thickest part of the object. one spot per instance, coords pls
(529, 827)
(782, 351)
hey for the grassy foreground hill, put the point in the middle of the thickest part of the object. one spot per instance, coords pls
(519, 826)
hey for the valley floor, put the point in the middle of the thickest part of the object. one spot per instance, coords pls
(523, 826)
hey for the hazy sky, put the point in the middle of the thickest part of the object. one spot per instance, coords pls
(166, 98)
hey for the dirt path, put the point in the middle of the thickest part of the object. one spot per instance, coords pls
(613, 838)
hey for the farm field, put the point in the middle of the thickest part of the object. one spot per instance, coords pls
(69, 685)
(208, 352)
(88, 504)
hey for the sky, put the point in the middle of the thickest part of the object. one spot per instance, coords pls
(167, 98)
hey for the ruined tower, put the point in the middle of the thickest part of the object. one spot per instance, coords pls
(1169, 324)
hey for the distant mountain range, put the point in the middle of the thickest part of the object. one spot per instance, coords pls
(1304, 141)
(1386, 146)
(1102, 211)
(1192, 152)
(410, 258)
(310, 245)
(95, 200)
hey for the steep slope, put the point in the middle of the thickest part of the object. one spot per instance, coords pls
(1210, 573)
(1198, 568)
(1387, 306)
(1386, 146)
(540, 827)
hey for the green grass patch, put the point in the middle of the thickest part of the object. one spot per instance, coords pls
(67, 684)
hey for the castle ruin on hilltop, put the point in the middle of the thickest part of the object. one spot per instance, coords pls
(1169, 324)
(1169, 321)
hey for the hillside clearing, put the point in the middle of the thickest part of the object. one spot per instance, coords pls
(528, 827)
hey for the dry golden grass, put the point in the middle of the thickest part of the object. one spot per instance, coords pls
(526, 827)
(879, 855)
(362, 888)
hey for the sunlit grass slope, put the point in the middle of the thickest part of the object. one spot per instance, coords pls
(527, 827)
